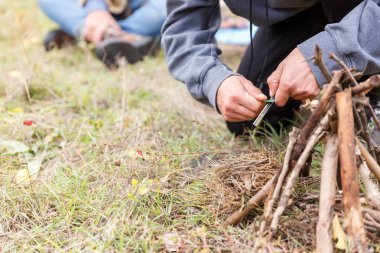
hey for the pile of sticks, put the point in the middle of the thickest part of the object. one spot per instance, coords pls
(339, 121)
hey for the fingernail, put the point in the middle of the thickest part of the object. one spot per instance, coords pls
(270, 93)
(261, 97)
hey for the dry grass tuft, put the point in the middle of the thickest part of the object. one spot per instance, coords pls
(237, 177)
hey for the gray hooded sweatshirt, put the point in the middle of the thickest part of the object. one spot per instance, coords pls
(192, 54)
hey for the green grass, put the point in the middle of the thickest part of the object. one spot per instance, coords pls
(89, 122)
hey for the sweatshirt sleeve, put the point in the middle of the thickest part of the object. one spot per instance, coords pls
(190, 48)
(95, 5)
(355, 40)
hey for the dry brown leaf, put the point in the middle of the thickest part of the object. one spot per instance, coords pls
(338, 234)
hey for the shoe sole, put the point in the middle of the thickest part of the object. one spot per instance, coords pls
(111, 52)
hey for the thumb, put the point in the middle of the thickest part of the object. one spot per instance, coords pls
(274, 80)
(254, 91)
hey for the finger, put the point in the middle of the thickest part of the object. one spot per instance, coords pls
(274, 80)
(98, 35)
(254, 91)
(282, 95)
(311, 91)
(233, 117)
(233, 120)
(87, 32)
(245, 112)
(251, 103)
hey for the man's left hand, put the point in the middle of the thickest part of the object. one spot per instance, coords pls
(293, 78)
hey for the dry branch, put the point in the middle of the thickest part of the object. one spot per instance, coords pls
(284, 171)
(252, 203)
(366, 134)
(315, 117)
(320, 64)
(366, 86)
(327, 196)
(345, 68)
(374, 116)
(348, 169)
(371, 162)
(372, 191)
(313, 140)
(347, 80)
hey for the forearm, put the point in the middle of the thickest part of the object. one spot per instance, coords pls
(189, 45)
(355, 39)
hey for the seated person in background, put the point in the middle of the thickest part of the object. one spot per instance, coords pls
(117, 28)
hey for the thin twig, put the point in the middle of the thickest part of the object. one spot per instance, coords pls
(356, 75)
(254, 202)
(313, 140)
(318, 61)
(373, 115)
(327, 196)
(372, 191)
(284, 171)
(371, 162)
(345, 68)
(366, 135)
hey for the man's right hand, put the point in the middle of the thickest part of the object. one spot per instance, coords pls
(239, 100)
(96, 24)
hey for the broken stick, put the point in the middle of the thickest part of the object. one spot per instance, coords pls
(366, 86)
(348, 169)
(327, 196)
(371, 162)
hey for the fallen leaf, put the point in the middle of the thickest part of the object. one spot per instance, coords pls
(12, 147)
(26, 176)
(338, 234)
(134, 182)
(22, 177)
(34, 167)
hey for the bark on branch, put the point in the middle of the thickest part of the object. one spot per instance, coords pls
(327, 196)
(349, 171)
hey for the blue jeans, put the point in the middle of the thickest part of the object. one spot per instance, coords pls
(146, 19)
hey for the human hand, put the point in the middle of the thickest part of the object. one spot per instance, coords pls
(293, 78)
(97, 23)
(238, 100)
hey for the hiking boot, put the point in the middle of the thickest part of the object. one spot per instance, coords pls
(132, 48)
(57, 39)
